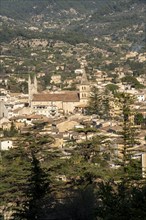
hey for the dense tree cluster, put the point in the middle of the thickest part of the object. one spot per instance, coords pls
(32, 176)
(133, 82)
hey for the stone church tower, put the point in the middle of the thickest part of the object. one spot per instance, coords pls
(84, 88)
(32, 88)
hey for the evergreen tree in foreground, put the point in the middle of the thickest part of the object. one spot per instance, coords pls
(129, 135)
(121, 201)
(99, 103)
(38, 200)
(80, 205)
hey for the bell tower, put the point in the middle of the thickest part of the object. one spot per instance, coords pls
(32, 88)
(84, 88)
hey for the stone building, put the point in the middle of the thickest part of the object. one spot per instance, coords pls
(53, 104)
(144, 165)
(3, 110)
(6, 144)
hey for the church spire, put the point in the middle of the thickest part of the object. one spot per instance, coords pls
(84, 88)
(32, 88)
(84, 80)
(35, 83)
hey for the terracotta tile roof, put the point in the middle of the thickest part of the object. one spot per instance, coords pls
(17, 110)
(65, 97)
(15, 94)
(32, 116)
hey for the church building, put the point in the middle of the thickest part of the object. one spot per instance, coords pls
(56, 103)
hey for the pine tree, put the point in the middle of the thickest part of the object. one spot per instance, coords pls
(79, 205)
(95, 102)
(106, 105)
(129, 132)
(38, 199)
(14, 171)
(99, 103)
(120, 201)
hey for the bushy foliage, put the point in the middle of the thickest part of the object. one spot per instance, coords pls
(132, 81)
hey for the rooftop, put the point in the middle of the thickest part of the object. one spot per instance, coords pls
(65, 97)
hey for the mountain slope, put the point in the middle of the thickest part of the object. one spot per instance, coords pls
(122, 19)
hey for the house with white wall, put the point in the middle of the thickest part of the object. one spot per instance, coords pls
(141, 97)
(6, 144)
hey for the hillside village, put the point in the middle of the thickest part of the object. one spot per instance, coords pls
(73, 105)
(62, 109)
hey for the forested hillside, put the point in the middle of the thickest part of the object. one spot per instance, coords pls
(18, 9)
(84, 18)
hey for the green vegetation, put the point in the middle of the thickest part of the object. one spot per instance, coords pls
(99, 103)
(94, 177)
(71, 37)
(119, 201)
(106, 18)
(15, 86)
(28, 169)
(139, 119)
(128, 133)
(14, 169)
(36, 200)
(12, 132)
(138, 68)
(133, 82)
(112, 87)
